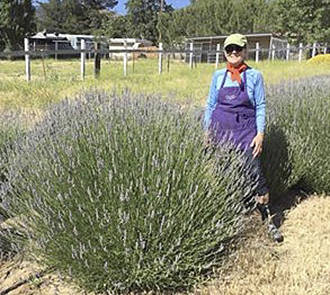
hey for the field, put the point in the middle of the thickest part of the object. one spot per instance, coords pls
(62, 78)
(300, 265)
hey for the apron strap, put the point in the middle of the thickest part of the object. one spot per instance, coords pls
(224, 79)
(245, 77)
(244, 81)
(242, 84)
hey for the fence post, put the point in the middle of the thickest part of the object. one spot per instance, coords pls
(217, 56)
(325, 48)
(300, 52)
(97, 60)
(287, 51)
(82, 59)
(191, 55)
(314, 49)
(56, 49)
(133, 62)
(273, 52)
(257, 52)
(125, 58)
(27, 60)
(160, 58)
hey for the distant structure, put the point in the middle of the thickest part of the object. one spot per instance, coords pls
(129, 43)
(54, 41)
(209, 43)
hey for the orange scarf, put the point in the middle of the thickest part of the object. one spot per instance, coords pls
(236, 71)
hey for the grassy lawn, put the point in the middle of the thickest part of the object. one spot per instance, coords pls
(54, 80)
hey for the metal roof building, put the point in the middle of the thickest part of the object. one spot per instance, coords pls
(208, 45)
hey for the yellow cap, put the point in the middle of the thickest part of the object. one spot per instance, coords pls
(237, 39)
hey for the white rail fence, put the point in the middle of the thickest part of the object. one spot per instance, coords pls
(191, 56)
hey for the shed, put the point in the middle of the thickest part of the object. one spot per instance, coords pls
(56, 41)
(208, 45)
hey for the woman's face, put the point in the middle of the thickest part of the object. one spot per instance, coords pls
(235, 55)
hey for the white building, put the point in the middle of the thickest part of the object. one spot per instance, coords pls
(54, 41)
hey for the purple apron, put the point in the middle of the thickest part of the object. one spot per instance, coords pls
(234, 117)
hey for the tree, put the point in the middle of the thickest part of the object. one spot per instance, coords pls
(74, 16)
(303, 20)
(17, 20)
(214, 17)
(144, 18)
(96, 11)
(115, 26)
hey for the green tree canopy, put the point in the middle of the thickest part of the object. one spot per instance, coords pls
(115, 26)
(213, 17)
(73, 16)
(303, 20)
(144, 18)
(17, 20)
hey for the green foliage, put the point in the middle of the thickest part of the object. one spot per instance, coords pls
(119, 193)
(213, 17)
(144, 17)
(73, 16)
(16, 21)
(303, 20)
(114, 26)
(300, 21)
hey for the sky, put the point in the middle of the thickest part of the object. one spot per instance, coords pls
(120, 8)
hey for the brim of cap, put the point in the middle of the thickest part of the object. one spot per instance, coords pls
(242, 44)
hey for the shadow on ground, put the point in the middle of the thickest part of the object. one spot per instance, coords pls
(287, 201)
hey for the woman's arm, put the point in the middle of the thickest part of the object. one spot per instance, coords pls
(260, 104)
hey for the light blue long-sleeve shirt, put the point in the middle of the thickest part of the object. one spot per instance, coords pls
(256, 93)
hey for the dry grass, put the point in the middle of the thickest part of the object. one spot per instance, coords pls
(62, 78)
(298, 266)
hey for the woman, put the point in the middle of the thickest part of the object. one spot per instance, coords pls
(235, 112)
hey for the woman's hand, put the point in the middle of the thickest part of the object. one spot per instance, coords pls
(256, 144)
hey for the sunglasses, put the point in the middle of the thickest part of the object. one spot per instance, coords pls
(230, 48)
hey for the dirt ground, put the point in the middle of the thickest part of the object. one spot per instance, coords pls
(300, 265)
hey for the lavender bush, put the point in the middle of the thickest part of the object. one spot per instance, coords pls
(11, 128)
(119, 193)
(297, 141)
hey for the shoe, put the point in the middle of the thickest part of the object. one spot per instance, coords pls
(275, 233)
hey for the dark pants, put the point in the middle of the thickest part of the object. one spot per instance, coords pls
(253, 168)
